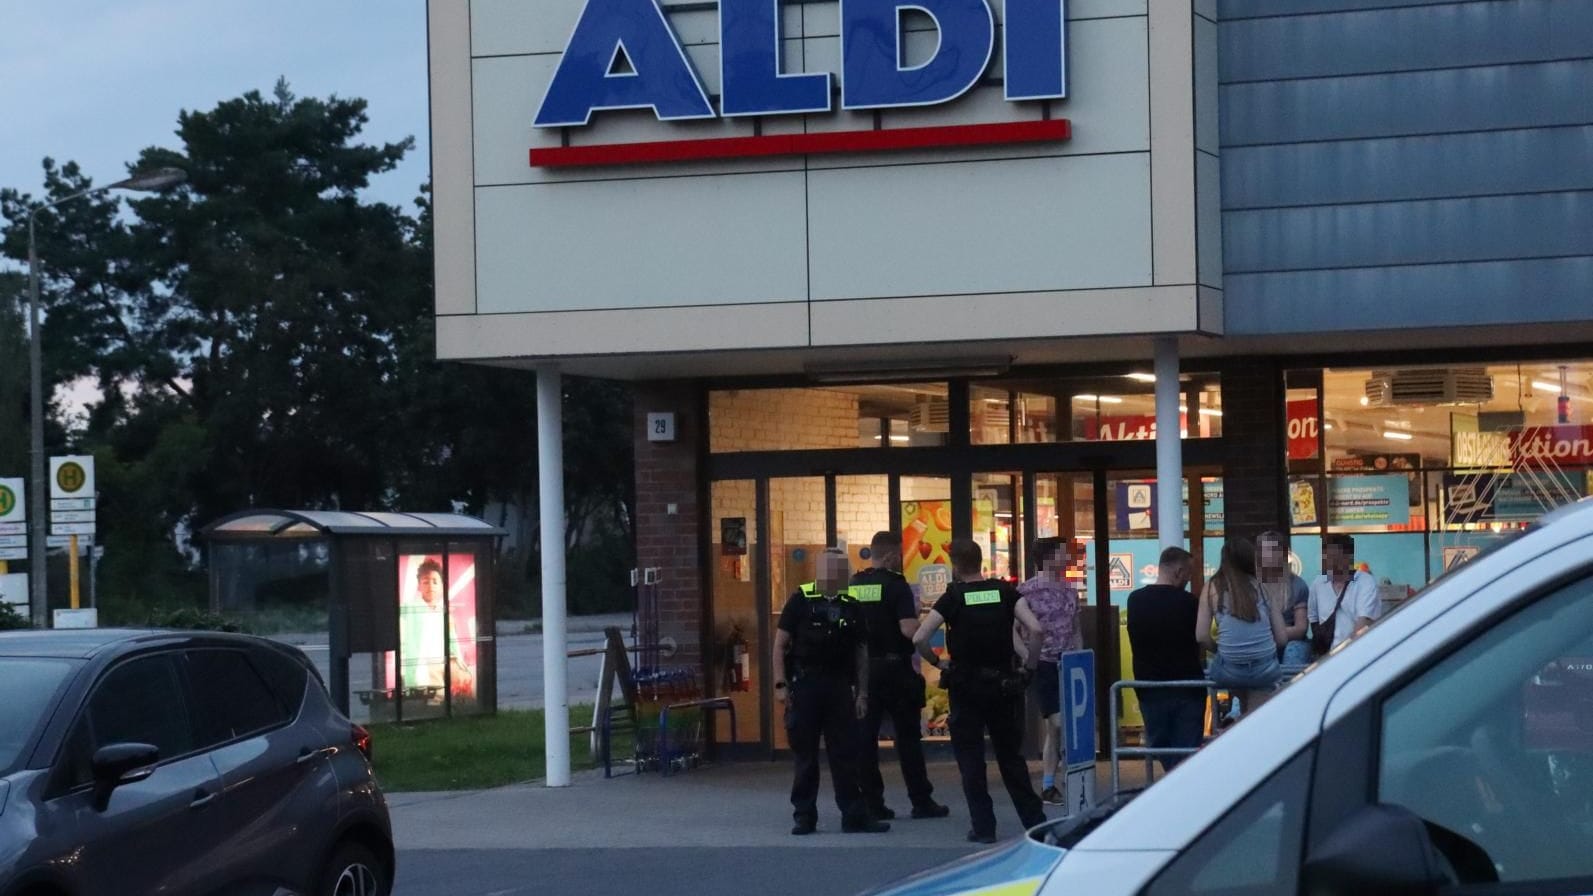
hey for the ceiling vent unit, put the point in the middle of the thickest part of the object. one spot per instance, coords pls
(932, 415)
(1428, 386)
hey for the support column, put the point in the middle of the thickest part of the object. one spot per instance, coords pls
(1169, 446)
(555, 643)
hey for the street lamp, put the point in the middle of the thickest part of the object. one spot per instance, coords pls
(144, 181)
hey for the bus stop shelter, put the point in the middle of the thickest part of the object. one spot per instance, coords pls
(405, 602)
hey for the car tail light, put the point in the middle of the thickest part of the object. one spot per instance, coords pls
(362, 740)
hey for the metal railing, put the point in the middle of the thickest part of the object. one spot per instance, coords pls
(1121, 750)
(1150, 754)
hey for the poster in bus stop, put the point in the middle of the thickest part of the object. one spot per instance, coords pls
(437, 628)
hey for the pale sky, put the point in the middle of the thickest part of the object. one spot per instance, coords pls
(97, 81)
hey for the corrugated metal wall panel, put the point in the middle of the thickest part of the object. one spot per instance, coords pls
(1439, 167)
(1406, 39)
(1406, 164)
(1507, 292)
(1548, 225)
(1408, 103)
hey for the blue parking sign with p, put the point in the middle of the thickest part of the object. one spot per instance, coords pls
(1077, 669)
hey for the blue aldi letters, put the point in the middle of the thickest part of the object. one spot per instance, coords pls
(624, 55)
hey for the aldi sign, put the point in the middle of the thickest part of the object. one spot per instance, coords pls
(623, 54)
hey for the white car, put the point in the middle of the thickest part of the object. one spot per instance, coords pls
(1447, 750)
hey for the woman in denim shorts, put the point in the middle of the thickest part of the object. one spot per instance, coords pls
(1250, 629)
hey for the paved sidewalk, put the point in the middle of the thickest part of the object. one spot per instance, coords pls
(735, 804)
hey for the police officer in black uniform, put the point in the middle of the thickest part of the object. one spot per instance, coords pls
(985, 681)
(891, 611)
(821, 673)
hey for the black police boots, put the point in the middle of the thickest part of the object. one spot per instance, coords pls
(865, 825)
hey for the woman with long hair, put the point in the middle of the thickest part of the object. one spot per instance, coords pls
(1249, 628)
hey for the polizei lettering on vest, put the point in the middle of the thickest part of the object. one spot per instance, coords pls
(623, 54)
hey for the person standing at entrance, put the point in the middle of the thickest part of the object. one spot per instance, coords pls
(891, 612)
(1280, 584)
(821, 666)
(985, 681)
(1161, 619)
(1055, 604)
(1344, 600)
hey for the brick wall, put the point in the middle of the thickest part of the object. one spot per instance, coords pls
(667, 473)
(782, 419)
(1254, 448)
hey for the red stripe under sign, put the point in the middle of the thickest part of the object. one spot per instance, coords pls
(1044, 131)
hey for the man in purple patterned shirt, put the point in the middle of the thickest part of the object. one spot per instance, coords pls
(1055, 603)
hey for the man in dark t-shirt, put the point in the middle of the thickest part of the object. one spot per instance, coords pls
(891, 612)
(1161, 634)
(985, 682)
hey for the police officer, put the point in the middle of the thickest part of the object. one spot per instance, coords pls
(821, 674)
(985, 681)
(891, 611)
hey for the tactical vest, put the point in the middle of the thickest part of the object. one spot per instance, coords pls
(829, 631)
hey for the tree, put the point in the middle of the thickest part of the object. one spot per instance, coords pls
(280, 293)
(14, 417)
(263, 336)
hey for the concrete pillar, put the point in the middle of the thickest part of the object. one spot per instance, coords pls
(555, 642)
(1169, 447)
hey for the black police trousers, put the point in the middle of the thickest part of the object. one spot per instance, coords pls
(976, 710)
(821, 704)
(894, 690)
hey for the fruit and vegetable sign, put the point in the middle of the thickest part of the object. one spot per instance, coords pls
(926, 538)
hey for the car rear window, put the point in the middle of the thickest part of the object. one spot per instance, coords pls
(231, 700)
(28, 686)
(284, 674)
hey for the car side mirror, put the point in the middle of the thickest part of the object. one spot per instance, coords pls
(1392, 851)
(118, 764)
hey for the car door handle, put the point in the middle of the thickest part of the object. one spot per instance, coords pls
(307, 754)
(202, 798)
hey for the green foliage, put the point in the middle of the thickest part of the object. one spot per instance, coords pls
(11, 620)
(262, 336)
(191, 618)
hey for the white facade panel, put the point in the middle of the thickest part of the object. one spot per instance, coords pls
(629, 332)
(1172, 113)
(1000, 226)
(734, 239)
(453, 173)
(1208, 210)
(960, 319)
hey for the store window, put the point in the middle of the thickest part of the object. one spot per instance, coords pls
(1428, 465)
(894, 415)
(1087, 409)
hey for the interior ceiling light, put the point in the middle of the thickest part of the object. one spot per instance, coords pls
(1546, 386)
(1103, 399)
(1210, 412)
(1141, 377)
(1398, 436)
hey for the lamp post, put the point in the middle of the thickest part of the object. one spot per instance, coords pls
(38, 597)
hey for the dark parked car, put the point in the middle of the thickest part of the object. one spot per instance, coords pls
(180, 763)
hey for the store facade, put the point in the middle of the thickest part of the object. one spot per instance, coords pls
(861, 282)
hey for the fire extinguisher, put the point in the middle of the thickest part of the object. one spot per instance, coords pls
(738, 666)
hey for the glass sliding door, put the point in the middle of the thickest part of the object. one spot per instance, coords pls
(738, 656)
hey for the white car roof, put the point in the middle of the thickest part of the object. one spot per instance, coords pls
(1170, 815)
